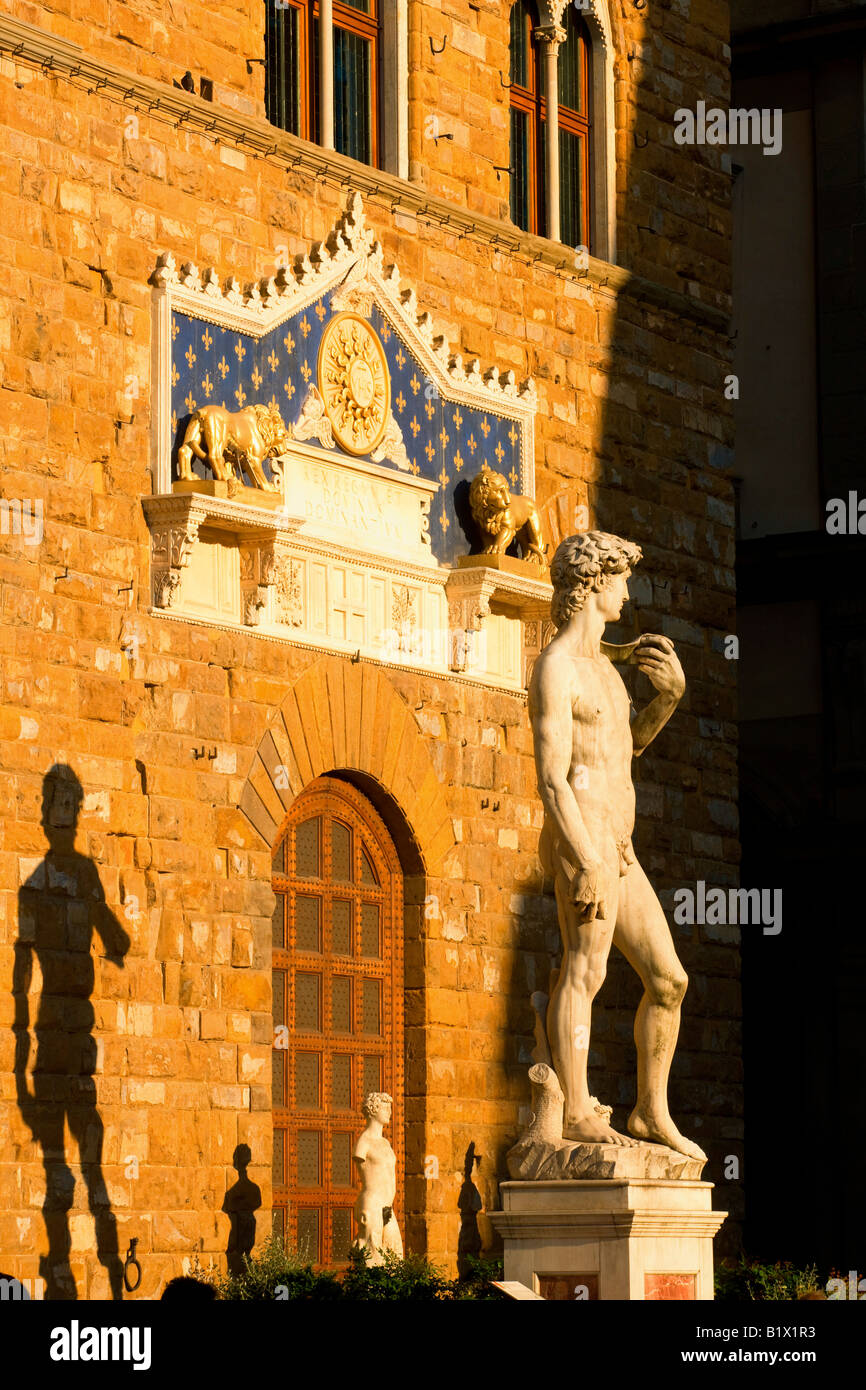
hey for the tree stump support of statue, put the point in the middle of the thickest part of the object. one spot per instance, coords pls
(592, 1212)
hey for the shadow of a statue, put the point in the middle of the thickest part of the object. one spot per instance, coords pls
(60, 906)
(241, 1203)
(469, 1204)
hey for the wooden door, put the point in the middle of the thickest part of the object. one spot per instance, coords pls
(338, 1009)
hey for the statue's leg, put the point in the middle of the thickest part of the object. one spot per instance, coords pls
(370, 1232)
(644, 937)
(215, 443)
(391, 1238)
(586, 946)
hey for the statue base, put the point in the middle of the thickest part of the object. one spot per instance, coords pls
(622, 1238)
(531, 1160)
(230, 489)
(506, 564)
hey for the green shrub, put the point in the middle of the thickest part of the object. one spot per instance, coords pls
(478, 1282)
(753, 1280)
(277, 1273)
(410, 1278)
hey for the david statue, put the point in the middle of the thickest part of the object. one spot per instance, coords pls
(579, 710)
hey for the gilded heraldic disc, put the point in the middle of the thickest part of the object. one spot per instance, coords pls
(354, 383)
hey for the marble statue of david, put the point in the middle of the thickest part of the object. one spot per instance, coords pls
(579, 709)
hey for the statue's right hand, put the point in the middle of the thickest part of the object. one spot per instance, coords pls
(586, 892)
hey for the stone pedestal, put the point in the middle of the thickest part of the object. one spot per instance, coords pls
(627, 1238)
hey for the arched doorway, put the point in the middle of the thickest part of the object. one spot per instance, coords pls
(338, 1008)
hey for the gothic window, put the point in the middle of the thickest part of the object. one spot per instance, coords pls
(292, 74)
(528, 117)
(527, 156)
(338, 1009)
(574, 132)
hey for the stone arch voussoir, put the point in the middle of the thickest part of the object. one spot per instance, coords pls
(347, 717)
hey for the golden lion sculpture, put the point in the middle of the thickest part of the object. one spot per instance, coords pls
(225, 439)
(504, 517)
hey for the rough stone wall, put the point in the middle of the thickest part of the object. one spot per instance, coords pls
(631, 421)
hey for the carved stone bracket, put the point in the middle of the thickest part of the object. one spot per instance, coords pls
(258, 568)
(470, 593)
(171, 549)
(175, 521)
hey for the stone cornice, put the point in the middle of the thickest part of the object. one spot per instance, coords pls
(29, 44)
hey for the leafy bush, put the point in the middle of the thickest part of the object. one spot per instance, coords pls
(753, 1280)
(410, 1278)
(277, 1273)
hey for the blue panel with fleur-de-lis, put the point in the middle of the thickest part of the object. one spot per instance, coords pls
(444, 441)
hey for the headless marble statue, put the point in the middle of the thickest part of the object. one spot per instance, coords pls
(584, 743)
(377, 1167)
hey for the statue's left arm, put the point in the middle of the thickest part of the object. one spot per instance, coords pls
(655, 656)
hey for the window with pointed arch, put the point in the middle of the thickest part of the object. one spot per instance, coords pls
(528, 115)
(337, 1008)
(292, 73)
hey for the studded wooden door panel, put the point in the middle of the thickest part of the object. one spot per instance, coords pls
(338, 1009)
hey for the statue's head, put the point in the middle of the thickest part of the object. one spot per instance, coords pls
(488, 497)
(273, 429)
(377, 1106)
(586, 564)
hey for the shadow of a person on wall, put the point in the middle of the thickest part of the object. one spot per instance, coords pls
(241, 1203)
(59, 907)
(469, 1204)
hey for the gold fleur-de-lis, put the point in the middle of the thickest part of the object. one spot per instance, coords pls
(500, 454)
(472, 443)
(240, 396)
(223, 367)
(175, 374)
(400, 359)
(429, 450)
(207, 385)
(257, 378)
(444, 438)
(273, 361)
(458, 461)
(400, 403)
(443, 477)
(240, 350)
(415, 384)
(174, 329)
(306, 371)
(512, 435)
(386, 332)
(430, 409)
(190, 357)
(289, 389)
(174, 422)
(485, 427)
(513, 477)
(306, 327)
(272, 403)
(414, 426)
(458, 419)
(320, 310)
(414, 467)
(190, 402)
(207, 340)
(443, 521)
(289, 343)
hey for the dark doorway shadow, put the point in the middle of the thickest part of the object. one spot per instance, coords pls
(59, 907)
(242, 1201)
(469, 1204)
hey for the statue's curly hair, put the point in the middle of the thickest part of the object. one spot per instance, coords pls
(373, 1101)
(581, 565)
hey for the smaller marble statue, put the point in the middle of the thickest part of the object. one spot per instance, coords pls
(376, 1163)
